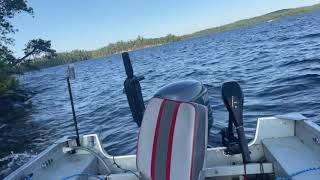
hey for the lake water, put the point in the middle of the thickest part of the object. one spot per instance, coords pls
(276, 63)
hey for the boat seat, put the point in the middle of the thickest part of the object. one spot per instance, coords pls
(290, 155)
(172, 141)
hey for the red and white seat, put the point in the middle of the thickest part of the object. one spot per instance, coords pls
(172, 141)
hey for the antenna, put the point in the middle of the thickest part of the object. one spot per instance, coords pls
(71, 76)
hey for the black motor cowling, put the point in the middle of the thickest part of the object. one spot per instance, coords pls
(187, 91)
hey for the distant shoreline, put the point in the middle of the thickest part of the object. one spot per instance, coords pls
(259, 19)
(140, 42)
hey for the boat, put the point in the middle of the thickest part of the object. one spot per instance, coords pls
(172, 142)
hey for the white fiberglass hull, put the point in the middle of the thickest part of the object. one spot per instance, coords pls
(282, 145)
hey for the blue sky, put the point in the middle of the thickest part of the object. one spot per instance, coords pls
(84, 24)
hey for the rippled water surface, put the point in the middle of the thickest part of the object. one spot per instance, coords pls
(276, 63)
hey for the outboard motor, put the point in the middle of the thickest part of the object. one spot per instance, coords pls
(187, 91)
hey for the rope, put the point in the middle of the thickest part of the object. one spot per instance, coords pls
(245, 171)
(298, 173)
(261, 170)
(97, 155)
(125, 170)
(83, 174)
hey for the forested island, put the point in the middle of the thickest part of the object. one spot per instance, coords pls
(39, 54)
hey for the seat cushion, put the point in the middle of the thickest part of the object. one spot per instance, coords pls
(172, 140)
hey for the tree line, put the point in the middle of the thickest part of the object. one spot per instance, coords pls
(112, 48)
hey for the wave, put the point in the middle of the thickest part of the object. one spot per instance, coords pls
(306, 79)
(277, 90)
(13, 161)
(314, 35)
(300, 62)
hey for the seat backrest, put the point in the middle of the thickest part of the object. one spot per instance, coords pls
(172, 140)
